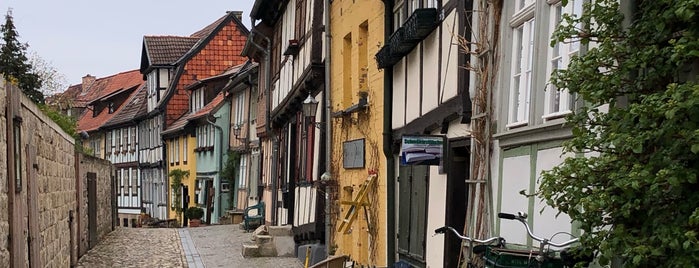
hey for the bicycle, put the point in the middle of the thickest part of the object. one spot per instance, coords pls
(469, 257)
(546, 257)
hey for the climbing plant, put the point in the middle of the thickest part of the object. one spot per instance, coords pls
(228, 173)
(633, 187)
(176, 176)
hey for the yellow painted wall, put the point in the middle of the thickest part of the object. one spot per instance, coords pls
(190, 165)
(357, 29)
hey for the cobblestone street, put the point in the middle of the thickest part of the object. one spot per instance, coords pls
(136, 247)
(211, 246)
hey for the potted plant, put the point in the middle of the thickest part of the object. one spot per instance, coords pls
(194, 214)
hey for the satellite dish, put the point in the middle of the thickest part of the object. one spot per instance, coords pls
(84, 135)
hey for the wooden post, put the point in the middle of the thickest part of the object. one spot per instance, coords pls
(33, 207)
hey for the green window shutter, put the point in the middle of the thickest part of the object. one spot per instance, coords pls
(404, 210)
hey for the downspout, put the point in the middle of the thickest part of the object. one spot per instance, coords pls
(328, 127)
(388, 142)
(220, 163)
(268, 92)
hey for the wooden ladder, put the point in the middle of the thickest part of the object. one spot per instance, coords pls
(359, 200)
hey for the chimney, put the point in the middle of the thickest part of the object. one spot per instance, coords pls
(238, 14)
(88, 80)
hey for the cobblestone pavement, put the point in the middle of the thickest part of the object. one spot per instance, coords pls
(212, 246)
(136, 247)
(221, 245)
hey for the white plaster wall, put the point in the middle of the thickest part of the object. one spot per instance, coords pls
(437, 202)
(430, 72)
(413, 95)
(494, 175)
(547, 223)
(450, 51)
(398, 113)
(515, 177)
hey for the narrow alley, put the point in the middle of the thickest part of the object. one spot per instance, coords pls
(210, 246)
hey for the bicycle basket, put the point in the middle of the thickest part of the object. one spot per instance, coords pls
(516, 258)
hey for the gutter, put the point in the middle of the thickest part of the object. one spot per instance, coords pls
(220, 160)
(328, 127)
(388, 142)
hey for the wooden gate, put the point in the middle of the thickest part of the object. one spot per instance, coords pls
(92, 209)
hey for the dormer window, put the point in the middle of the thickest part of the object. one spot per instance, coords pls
(158, 80)
(111, 107)
(197, 100)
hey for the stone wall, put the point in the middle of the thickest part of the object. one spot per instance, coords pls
(48, 194)
(103, 171)
(4, 213)
(55, 178)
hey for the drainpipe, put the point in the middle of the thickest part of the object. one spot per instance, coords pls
(268, 92)
(220, 164)
(328, 127)
(388, 142)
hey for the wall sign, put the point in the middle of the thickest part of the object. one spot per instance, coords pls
(422, 149)
(353, 154)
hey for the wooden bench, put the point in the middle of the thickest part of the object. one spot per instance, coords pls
(257, 218)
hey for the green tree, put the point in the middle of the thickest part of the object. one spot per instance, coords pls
(635, 193)
(14, 63)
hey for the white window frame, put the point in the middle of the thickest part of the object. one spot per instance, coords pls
(170, 154)
(184, 150)
(242, 168)
(239, 109)
(524, 4)
(559, 103)
(521, 75)
(399, 15)
(177, 150)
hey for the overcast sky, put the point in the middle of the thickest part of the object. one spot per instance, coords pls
(102, 38)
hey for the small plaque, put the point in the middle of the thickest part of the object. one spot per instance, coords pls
(353, 154)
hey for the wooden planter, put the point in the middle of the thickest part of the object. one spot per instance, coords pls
(194, 222)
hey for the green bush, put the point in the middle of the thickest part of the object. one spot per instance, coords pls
(194, 213)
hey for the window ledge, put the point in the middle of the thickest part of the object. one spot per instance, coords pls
(556, 115)
(517, 124)
(555, 130)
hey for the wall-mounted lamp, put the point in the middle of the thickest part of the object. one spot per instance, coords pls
(310, 106)
(236, 132)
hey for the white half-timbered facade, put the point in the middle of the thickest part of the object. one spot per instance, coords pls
(294, 72)
(430, 96)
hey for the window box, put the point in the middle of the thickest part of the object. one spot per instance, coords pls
(384, 58)
(421, 23)
(400, 44)
(415, 29)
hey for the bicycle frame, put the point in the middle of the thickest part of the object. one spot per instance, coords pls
(543, 242)
(471, 241)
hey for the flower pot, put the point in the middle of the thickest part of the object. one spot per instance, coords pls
(194, 222)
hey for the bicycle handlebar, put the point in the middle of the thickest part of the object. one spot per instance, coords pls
(522, 217)
(443, 229)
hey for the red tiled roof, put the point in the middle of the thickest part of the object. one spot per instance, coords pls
(166, 50)
(134, 106)
(182, 122)
(103, 89)
(218, 50)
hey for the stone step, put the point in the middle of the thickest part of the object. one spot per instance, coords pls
(255, 251)
(284, 230)
(263, 239)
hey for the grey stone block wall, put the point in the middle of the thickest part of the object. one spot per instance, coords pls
(56, 165)
(56, 182)
(4, 217)
(103, 170)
